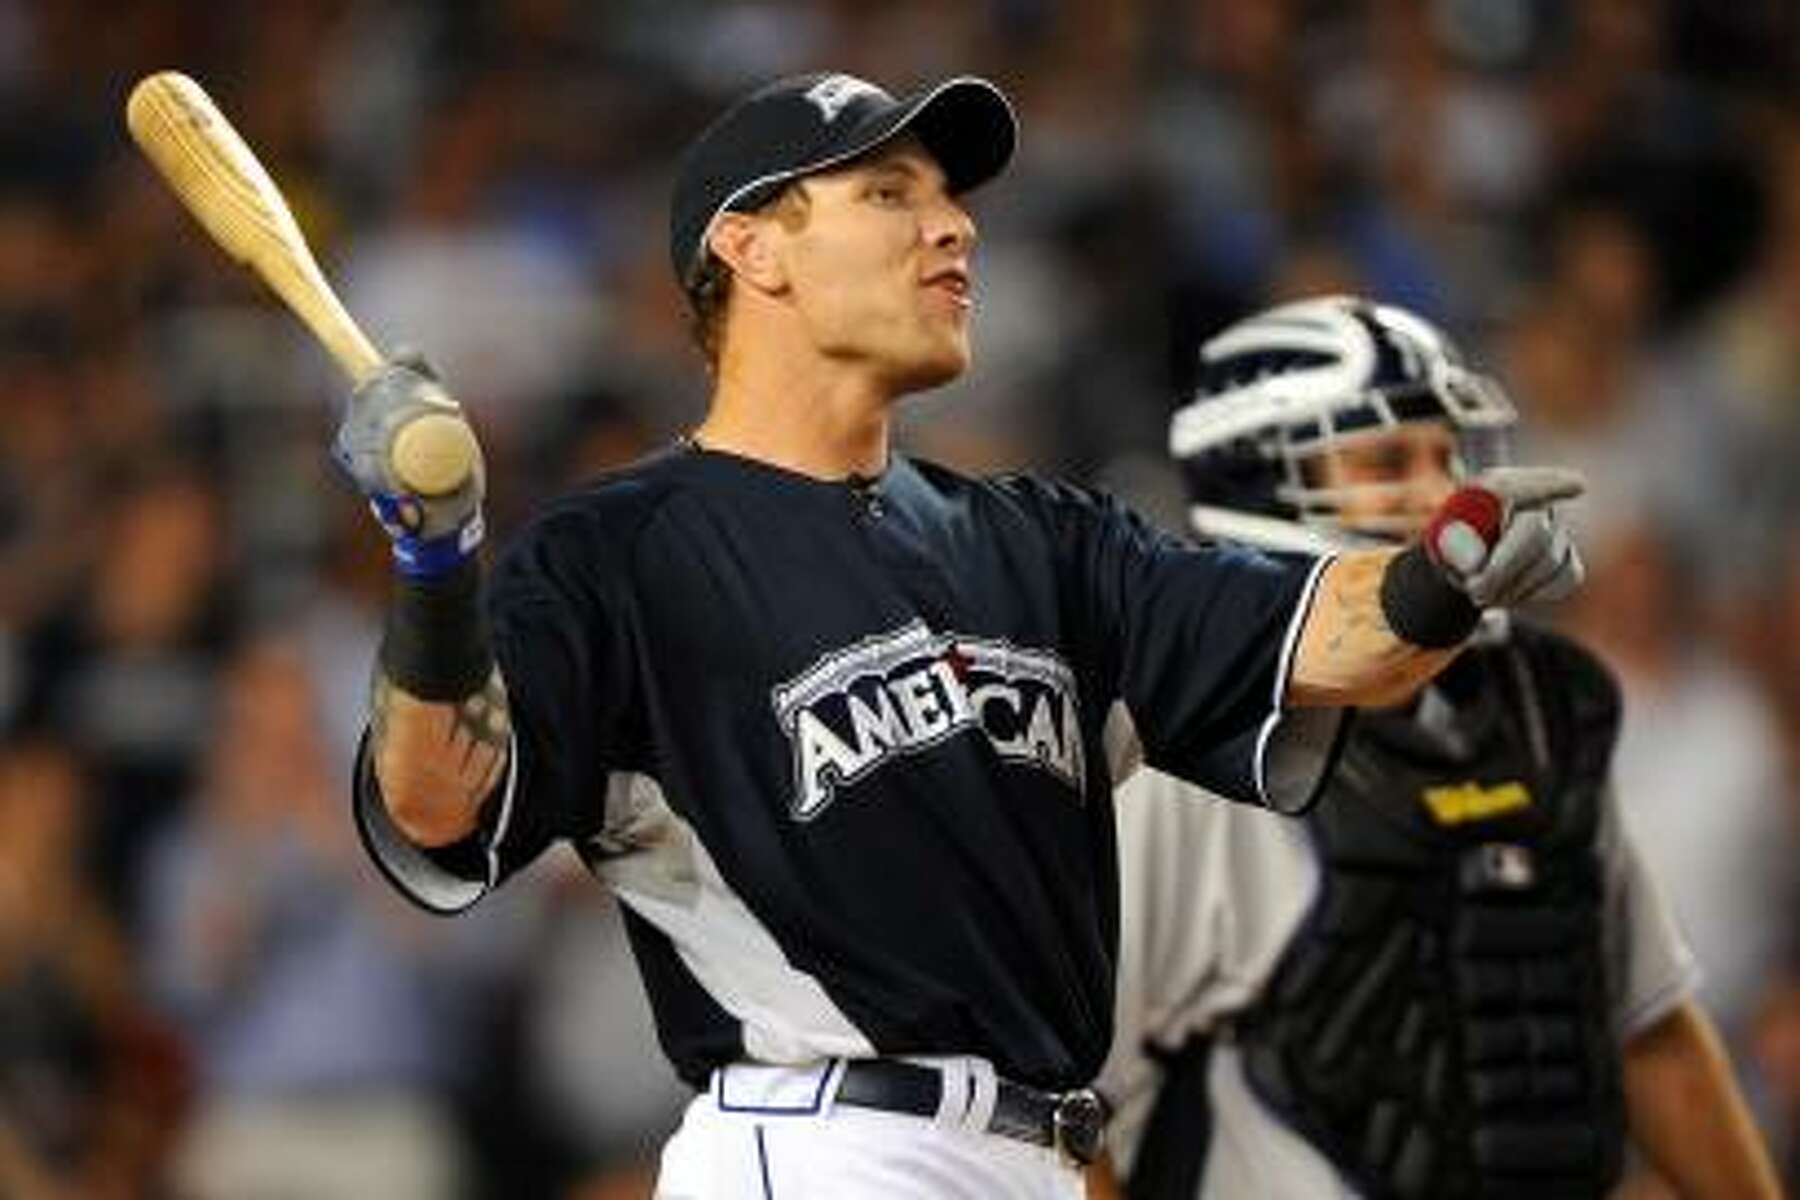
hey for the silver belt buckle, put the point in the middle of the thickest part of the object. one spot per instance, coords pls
(1080, 1123)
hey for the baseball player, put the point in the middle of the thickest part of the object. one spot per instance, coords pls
(840, 728)
(1454, 977)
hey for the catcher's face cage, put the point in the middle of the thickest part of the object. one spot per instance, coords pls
(1242, 474)
(1473, 406)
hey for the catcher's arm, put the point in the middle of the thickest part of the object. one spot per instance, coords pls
(1101, 1180)
(1687, 1115)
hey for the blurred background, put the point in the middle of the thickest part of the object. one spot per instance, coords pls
(205, 990)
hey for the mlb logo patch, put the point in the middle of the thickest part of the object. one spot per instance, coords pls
(1498, 867)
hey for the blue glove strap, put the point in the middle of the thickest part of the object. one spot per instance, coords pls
(425, 558)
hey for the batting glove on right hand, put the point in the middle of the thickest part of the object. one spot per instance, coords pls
(1497, 539)
(431, 535)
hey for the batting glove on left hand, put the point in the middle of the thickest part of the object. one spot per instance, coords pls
(1498, 540)
(431, 535)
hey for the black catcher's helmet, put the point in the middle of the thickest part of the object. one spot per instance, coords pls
(1284, 386)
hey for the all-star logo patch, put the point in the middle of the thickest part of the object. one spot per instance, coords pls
(833, 92)
(860, 707)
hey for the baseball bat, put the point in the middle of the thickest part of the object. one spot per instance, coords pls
(219, 179)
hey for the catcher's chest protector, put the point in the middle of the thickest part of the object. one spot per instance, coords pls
(1440, 1025)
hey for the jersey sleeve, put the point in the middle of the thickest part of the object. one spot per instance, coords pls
(1649, 961)
(1198, 642)
(569, 694)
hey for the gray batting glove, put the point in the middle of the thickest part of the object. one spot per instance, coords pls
(431, 535)
(1498, 539)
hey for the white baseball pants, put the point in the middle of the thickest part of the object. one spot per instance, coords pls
(775, 1133)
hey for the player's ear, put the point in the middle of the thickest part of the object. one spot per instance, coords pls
(746, 242)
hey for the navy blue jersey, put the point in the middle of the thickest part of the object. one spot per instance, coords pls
(845, 752)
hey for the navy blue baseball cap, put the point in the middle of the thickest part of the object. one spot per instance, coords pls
(808, 123)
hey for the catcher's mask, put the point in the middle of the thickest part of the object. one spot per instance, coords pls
(1281, 389)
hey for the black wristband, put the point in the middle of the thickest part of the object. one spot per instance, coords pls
(435, 645)
(1421, 606)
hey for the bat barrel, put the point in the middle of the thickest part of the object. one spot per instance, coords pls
(222, 183)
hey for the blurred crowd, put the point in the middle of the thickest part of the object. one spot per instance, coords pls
(204, 988)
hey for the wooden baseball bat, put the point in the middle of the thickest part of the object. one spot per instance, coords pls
(217, 176)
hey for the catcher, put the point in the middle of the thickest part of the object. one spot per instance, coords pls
(1454, 977)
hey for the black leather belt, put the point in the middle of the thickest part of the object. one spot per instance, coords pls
(1073, 1122)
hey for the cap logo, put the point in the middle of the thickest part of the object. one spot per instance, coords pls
(833, 92)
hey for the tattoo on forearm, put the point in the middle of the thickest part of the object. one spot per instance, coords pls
(1349, 654)
(482, 723)
(459, 747)
(1354, 586)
